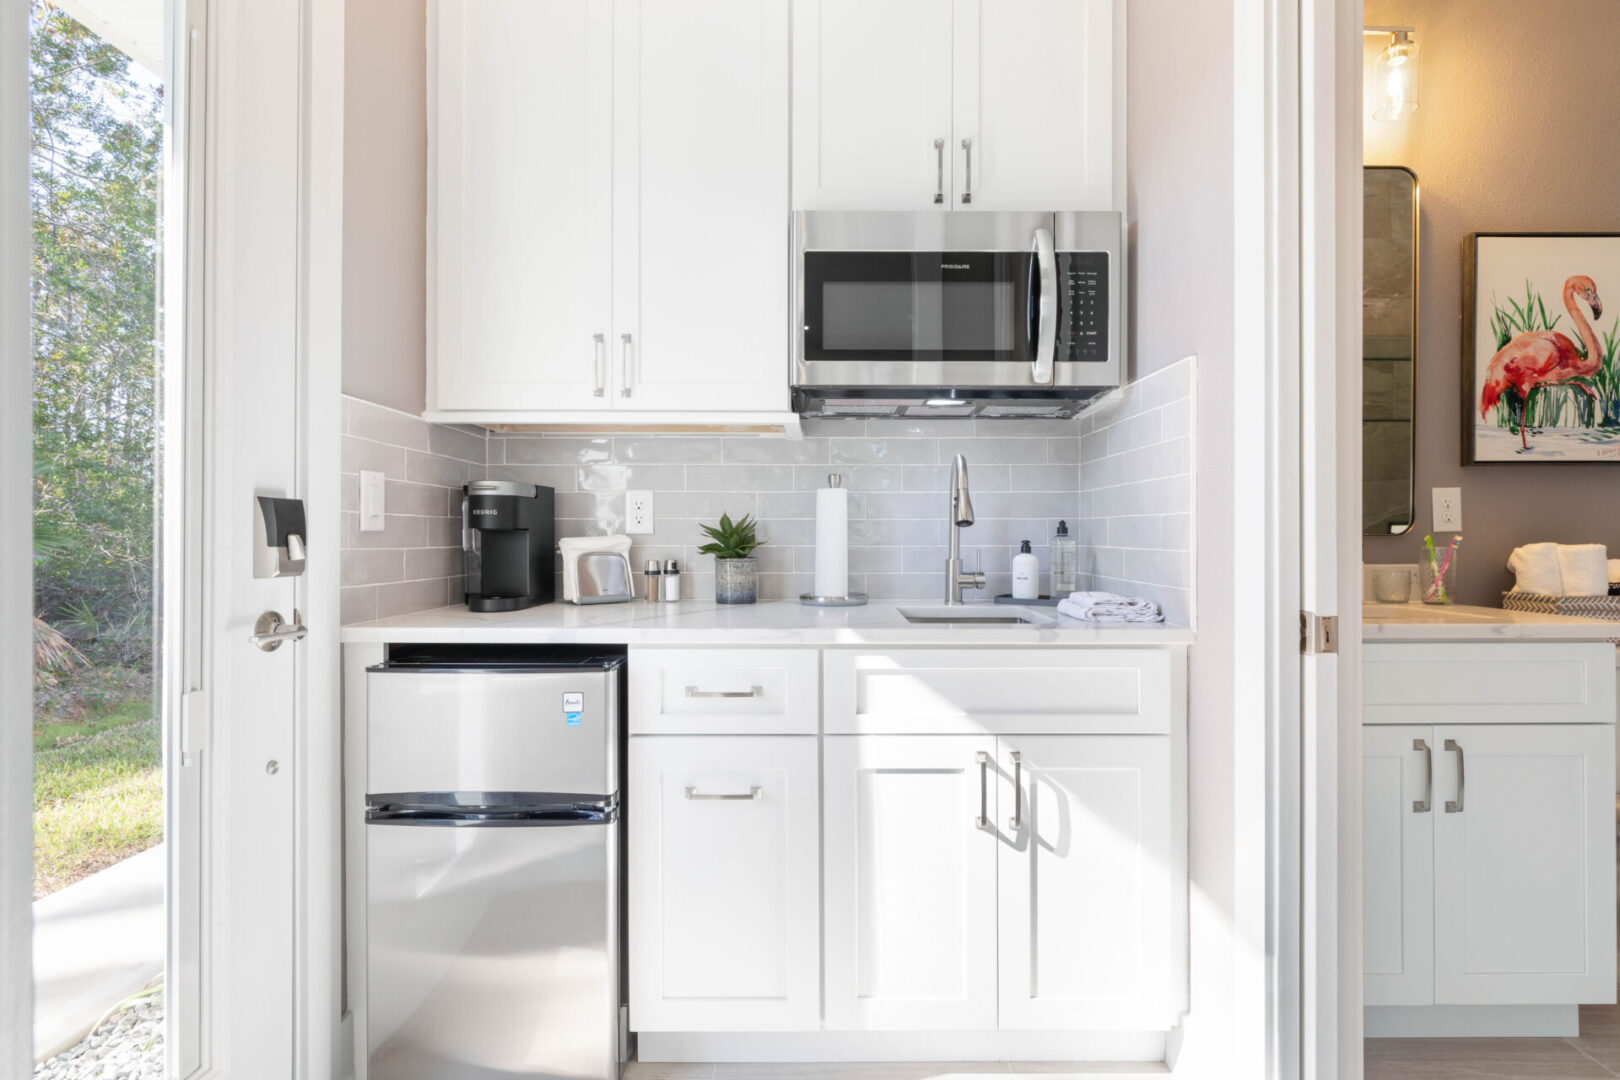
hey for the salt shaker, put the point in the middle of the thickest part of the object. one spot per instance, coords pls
(670, 581)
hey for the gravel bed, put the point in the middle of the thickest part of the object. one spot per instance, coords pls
(127, 1046)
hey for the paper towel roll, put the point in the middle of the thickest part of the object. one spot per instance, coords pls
(832, 539)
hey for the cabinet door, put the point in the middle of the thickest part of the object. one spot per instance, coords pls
(723, 883)
(520, 236)
(1398, 814)
(700, 206)
(1086, 867)
(911, 883)
(871, 99)
(1034, 95)
(1524, 864)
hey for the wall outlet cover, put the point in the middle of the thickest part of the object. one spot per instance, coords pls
(1447, 509)
(373, 510)
(638, 513)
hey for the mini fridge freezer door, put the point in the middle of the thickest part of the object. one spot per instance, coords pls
(492, 952)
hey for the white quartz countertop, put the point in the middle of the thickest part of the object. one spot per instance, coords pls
(1458, 622)
(773, 622)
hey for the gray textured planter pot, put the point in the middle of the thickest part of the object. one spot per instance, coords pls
(736, 581)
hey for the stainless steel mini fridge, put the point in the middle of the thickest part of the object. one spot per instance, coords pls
(492, 866)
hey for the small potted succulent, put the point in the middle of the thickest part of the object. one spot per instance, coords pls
(736, 572)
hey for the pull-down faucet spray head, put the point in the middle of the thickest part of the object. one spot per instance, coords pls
(961, 502)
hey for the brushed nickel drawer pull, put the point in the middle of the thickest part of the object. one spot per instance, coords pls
(753, 793)
(1457, 807)
(983, 820)
(1425, 804)
(752, 691)
(1017, 821)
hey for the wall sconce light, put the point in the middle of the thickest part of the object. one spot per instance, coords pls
(1395, 74)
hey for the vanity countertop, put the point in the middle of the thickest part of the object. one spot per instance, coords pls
(1459, 622)
(773, 622)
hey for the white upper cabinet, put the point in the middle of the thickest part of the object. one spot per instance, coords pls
(519, 189)
(971, 105)
(1033, 97)
(700, 204)
(609, 201)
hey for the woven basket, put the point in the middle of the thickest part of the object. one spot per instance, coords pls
(1587, 607)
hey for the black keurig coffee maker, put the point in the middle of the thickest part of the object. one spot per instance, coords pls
(507, 544)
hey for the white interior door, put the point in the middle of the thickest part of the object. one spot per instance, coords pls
(700, 206)
(519, 189)
(872, 105)
(1520, 915)
(1085, 871)
(1398, 810)
(1033, 96)
(910, 897)
(725, 884)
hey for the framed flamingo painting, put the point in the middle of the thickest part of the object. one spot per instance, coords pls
(1540, 381)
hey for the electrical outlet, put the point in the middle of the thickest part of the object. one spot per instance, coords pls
(638, 512)
(1448, 509)
(372, 508)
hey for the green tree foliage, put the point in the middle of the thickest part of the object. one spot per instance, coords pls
(97, 152)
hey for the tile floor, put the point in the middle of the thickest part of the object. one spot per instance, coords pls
(906, 1070)
(1594, 1054)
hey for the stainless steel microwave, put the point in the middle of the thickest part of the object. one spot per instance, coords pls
(956, 313)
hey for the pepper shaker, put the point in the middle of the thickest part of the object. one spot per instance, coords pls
(670, 581)
(650, 574)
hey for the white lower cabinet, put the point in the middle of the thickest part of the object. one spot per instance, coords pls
(911, 883)
(723, 883)
(1489, 864)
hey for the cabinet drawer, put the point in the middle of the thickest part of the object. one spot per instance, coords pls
(724, 692)
(1027, 691)
(1490, 683)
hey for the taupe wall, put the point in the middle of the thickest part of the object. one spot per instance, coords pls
(385, 202)
(1515, 133)
(1179, 204)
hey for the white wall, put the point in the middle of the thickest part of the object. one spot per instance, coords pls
(385, 203)
(1179, 200)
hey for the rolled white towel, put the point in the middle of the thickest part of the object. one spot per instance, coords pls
(1584, 569)
(1535, 568)
(1109, 607)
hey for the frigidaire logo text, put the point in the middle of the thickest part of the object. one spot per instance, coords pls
(954, 266)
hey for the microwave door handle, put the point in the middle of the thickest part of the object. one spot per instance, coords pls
(1046, 324)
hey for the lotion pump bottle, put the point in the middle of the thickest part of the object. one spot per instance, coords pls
(1026, 574)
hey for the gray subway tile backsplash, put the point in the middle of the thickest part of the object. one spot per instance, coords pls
(1120, 475)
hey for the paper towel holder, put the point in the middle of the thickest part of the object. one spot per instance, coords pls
(854, 599)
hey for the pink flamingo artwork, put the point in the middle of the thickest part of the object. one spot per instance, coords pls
(1542, 358)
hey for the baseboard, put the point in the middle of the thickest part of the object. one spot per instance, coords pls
(1132, 1047)
(1472, 1021)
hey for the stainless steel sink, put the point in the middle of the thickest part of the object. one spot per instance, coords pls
(975, 615)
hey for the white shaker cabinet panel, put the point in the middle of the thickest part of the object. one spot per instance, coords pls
(1398, 812)
(724, 884)
(700, 205)
(520, 185)
(1524, 883)
(872, 105)
(910, 904)
(1033, 98)
(1086, 866)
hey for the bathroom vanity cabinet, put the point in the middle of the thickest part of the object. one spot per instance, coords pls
(1489, 779)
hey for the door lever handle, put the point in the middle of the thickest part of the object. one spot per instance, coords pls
(270, 630)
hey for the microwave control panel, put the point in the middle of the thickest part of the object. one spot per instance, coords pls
(1082, 335)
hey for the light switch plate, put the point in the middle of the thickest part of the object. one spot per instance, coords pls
(373, 512)
(1448, 509)
(638, 513)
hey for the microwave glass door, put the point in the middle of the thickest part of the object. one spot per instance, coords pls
(920, 307)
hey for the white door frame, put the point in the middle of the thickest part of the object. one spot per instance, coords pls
(16, 556)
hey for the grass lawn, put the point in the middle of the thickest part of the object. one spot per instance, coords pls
(98, 793)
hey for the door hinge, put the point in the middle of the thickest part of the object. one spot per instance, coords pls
(1318, 634)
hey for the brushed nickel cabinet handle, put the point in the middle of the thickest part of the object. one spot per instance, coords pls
(939, 182)
(626, 347)
(753, 793)
(1425, 804)
(752, 691)
(967, 176)
(983, 820)
(599, 364)
(1017, 821)
(1457, 806)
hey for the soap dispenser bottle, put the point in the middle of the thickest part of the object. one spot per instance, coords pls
(1026, 574)
(1065, 562)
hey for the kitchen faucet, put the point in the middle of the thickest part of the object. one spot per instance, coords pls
(961, 516)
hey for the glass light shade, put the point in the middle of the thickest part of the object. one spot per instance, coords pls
(1396, 78)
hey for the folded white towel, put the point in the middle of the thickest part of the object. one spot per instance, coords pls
(1109, 607)
(1535, 566)
(1584, 569)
